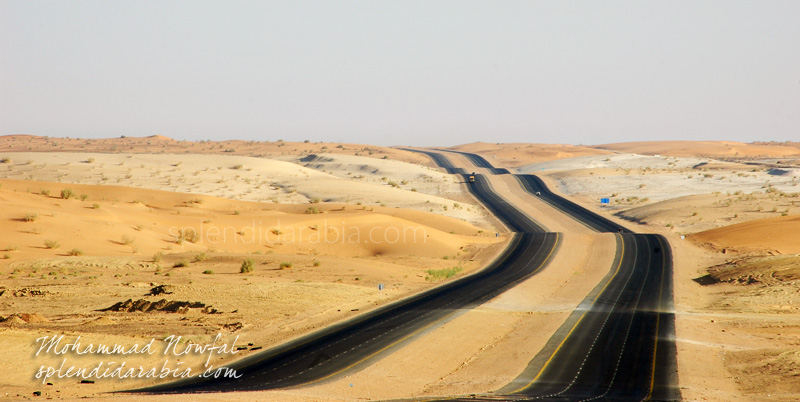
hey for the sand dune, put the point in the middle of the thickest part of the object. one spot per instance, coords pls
(776, 235)
(615, 161)
(97, 217)
(706, 148)
(518, 154)
(696, 213)
(65, 259)
(628, 178)
(159, 144)
(380, 183)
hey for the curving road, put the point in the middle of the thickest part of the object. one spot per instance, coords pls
(619, 343)
(353, 344)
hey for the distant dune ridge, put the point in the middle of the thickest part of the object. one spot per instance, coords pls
(156, 144)
(707, 148)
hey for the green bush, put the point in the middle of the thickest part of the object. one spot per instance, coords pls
(181, 264)
(52, 244)
(67, 194)
(439, 274)
(247, 266)
(75, 252)
(286, 265)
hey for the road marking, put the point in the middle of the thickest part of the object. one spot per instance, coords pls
(621, 257)
(628, 331)
(658, 316)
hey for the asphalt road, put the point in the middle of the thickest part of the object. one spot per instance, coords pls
(356, 343)
(619, 343)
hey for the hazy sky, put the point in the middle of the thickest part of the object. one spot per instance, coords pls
(410, 72)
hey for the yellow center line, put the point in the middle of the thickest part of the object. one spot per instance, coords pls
(417, 331)
(622, 255)
(658, 317)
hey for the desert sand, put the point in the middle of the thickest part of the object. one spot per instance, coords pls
(729, 210)
(69, 257)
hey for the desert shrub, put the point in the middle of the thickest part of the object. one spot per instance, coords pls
(157, 257)
(438, 274)
(75, 252)
(317, 263)
(45, 193)
(286, 265)
(5, 160)
(186, 235)
(315, 200)
(127, 240)
(52, 244)
(30, 217)
(181, 264)
(95, 206)
(83, 197)
(313, 210)
(67, 194)
(208, 272)
(199, 257)
(247, 266)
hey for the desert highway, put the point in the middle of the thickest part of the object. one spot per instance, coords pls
(355, 343)
(619, 343)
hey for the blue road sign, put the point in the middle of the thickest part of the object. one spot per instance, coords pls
(605, 200)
